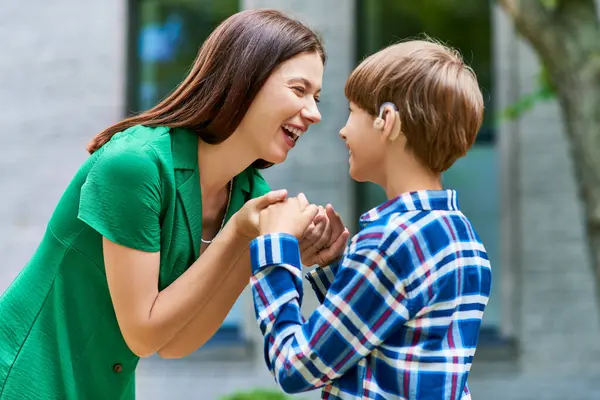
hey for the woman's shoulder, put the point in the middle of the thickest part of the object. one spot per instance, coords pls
(139, 145)
(257, 184)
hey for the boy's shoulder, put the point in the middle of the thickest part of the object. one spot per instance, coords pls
(408, 237)
(383, 235)
(398, 227)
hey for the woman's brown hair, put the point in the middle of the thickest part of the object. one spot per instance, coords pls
(231, 67)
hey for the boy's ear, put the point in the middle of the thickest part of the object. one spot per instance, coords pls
(389, 123)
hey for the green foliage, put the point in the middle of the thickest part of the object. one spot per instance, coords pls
(545, 91)
(257, 394)
(549, 5)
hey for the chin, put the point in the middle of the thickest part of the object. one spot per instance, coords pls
(275, 158)
(354, 175)
(357, 176)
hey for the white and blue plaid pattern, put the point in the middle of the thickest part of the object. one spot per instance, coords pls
(400, 313)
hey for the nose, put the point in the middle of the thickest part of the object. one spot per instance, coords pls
(312, 113)
(343, 133)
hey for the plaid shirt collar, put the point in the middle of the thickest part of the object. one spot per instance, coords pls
(421, 200)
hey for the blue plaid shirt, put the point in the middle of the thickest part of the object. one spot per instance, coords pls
(400, 313)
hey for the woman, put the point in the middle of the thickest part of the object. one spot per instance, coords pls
(125, 269)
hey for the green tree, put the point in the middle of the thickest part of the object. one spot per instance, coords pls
(565, 34)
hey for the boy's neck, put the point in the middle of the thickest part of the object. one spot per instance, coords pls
(410, 178)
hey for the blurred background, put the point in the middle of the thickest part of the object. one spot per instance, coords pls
(69, 68)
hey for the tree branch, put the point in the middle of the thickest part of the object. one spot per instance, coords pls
(552, 27)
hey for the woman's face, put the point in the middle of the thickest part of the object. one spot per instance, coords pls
(284, 108)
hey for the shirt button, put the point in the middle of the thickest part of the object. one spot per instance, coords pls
(313, 356)
(117, 368)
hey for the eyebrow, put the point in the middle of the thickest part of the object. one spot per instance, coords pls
(305, 81)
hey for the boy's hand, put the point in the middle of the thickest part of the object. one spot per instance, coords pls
(339, 238)
(316, 237)
(247, 217)
(291, 216)
(325, 238)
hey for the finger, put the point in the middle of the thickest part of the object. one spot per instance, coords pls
(321, 216)
(337, 248)
(337, 225)
(295, 203)
(309, 261)
(311, 236)
(308, 215)
(303, 200)
(320, 219)
(325, 237)
(272, 197)
(307, 238)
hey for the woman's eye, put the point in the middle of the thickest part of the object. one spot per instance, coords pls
(317, 100)
(299, 90)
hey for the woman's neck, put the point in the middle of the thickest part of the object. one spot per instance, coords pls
(220, 163)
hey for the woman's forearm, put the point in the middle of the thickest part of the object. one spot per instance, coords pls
(209, 318)
(149, 319)
(178, 303)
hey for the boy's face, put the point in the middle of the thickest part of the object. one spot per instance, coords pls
(366, 146)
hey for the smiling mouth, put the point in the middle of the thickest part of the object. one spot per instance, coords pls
(292, 132)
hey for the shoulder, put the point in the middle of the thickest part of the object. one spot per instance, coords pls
(257, 184)
(127, 162)
(398, 239)
(429, 238)
(138, 142)
(135, 152)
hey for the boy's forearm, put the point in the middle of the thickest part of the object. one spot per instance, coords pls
(277, 291)
(321, 278)
(357, 315)
(294, 348)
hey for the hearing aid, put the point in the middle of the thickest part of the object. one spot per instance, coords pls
(379, 121)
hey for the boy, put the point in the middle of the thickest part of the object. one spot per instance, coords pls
(401, 310)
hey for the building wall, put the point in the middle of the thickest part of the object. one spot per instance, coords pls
(62, 77)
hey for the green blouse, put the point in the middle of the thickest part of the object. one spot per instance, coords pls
(59, 337)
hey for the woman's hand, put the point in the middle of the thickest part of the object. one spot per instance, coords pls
(247, 217)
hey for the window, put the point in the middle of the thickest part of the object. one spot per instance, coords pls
(165, 36)
(465, 25)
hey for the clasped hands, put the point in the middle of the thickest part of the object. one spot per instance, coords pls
(320, 231)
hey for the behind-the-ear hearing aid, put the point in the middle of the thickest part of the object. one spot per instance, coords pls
(379, 121)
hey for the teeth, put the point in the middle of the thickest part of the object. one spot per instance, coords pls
(295, 131)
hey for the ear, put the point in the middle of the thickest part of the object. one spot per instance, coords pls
(392, 126)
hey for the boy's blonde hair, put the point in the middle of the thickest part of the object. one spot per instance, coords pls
(437, 95)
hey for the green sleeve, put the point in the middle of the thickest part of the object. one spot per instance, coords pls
(121, 198)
